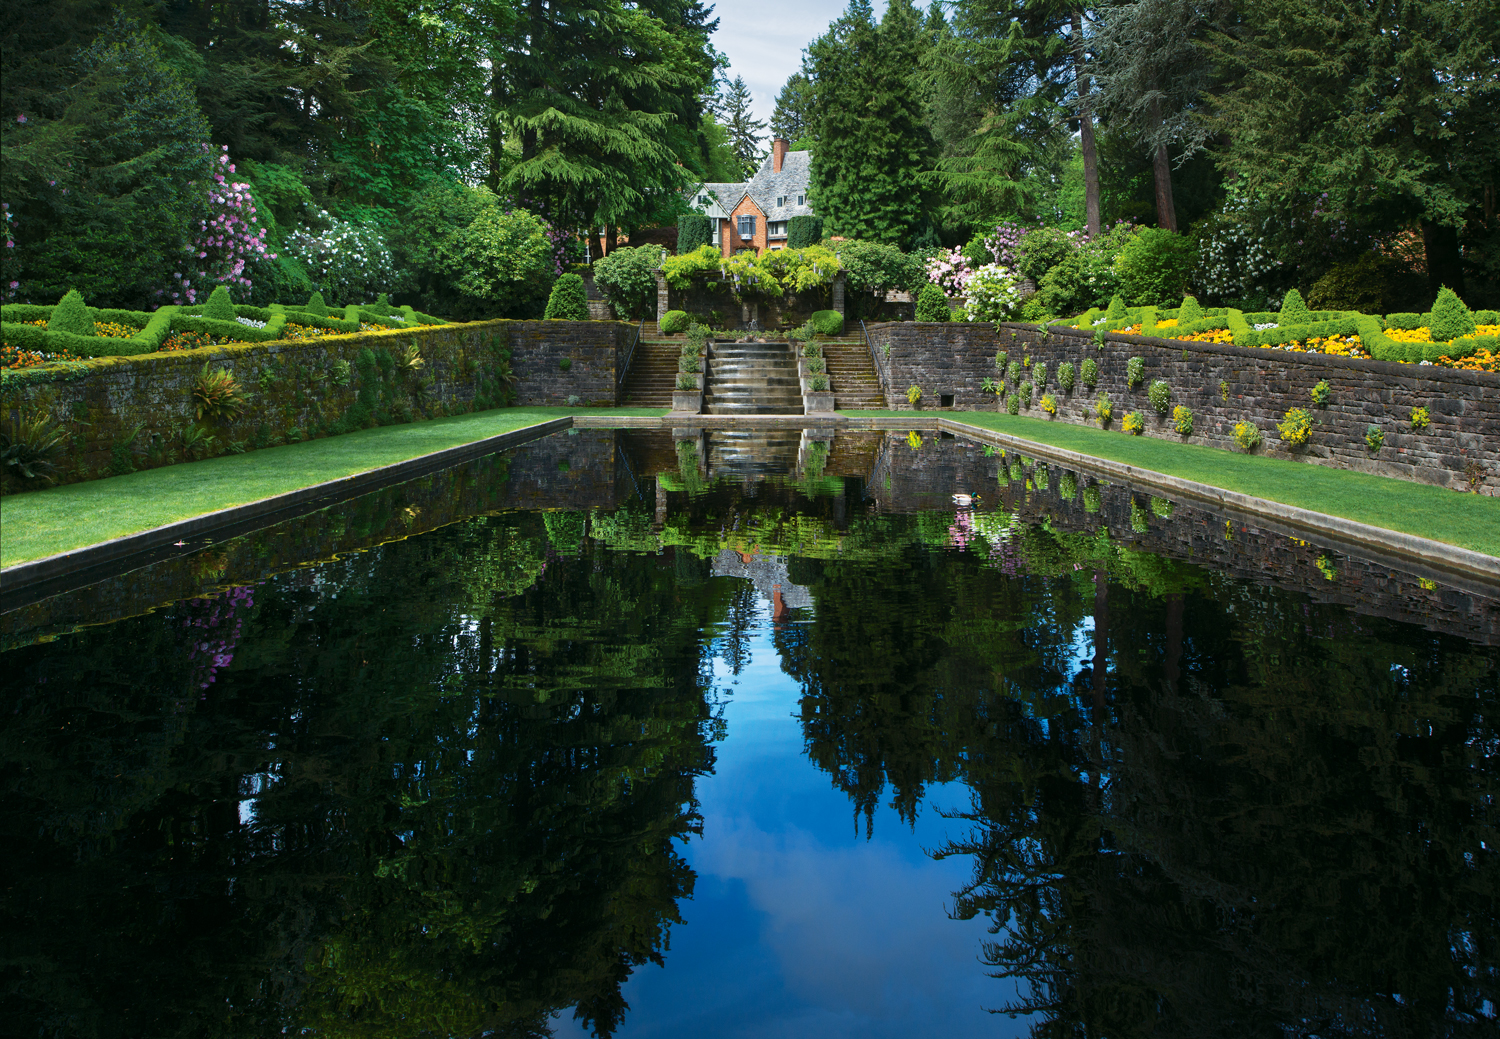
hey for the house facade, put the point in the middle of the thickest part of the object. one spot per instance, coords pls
(753, 214)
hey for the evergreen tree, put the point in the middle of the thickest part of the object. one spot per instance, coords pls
(873, 146)
(791, 119)
(743, 129)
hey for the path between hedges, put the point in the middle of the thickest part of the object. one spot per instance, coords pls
(42, 523)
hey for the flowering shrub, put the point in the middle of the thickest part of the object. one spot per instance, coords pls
(349, 261)
(1246, 435)
(1296, 427)
(950, 272)
(229, 240)
(994, 294)
(1065, 376)
(1049, 404)
(1160, 395)
(1182, 419)
(1134, 423)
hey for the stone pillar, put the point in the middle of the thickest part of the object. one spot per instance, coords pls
(661, 298)
(838, 292)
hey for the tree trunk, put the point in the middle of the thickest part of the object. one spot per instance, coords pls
(497, 138)
(1161, 168)
(1445, 265)
(1086, 129)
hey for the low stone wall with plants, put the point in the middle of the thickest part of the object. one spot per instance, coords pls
(114, 415)
(1419, 422)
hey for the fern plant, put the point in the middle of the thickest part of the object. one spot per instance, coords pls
(30, 447)
(218, 396)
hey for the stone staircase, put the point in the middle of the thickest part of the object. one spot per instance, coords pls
(653, 373)
(851, 371)
(752, 379)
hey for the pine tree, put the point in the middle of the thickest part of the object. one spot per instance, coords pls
(791, 119)
(873, 146)
(743, 128)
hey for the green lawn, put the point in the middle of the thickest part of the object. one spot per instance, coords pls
(1470, 521)
(42, 523)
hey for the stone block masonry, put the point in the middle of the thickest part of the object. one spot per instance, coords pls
(1223, 385)
(129, 413)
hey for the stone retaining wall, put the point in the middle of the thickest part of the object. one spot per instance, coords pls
(129, 413)
(1223, 385)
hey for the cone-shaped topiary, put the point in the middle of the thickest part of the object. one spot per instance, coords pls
(315, 305)
(219, 306)
(932, 305)
(1190, 311)
(568, 301)
(72, 315)
(1450, 318)
(1116, 311)
(1294, 310)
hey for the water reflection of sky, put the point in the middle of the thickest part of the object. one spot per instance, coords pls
(799, 925)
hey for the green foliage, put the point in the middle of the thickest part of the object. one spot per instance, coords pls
(1103, 409)
(1182, 419)
(569, 301)
(705, 261)
(1154, 265)
(1067, 487)
(1373, 283)
(1160, 395)
(687, 381)
(932, 304)
(1374, 437)
(694, 230)
(875, 267)
(803, 231)
(316, 306)
(819, 383)
(1044, 248)
(1116, 310)
(1013, 404)
(1065, 375)
(1246, 435)
(1296, 427)
(1134, 423)
(1320, 392)
(72, 315)
(506, 267)
(217, 396)
(810, 348)
(828, 322)
(219, 306)
(1039, 374)
(1293, 310)
(1450, 318)
(31, 446)
(1135, 371)
(1013, 373)
(1189, 311)
(1090, 372)
(674, 321)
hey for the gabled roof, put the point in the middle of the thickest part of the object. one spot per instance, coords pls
(764, 189)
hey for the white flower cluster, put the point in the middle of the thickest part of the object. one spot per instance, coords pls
(1235, 261)
(994, 294)
(349, 261)
(1263, 325)
(250, 322)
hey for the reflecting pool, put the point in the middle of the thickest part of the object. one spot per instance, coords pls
(649, 735)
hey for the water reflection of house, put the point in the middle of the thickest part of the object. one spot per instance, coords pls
(769, 576)
(753, 214)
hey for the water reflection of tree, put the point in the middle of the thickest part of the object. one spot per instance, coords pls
(1269, 818)
(465, 813)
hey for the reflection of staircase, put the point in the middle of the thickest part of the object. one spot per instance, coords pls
(752, 379)
(653, 373)
(851, 370)
(854, 454)
(752, 452)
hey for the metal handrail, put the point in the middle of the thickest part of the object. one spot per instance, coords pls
(880, 373)
(630, 355)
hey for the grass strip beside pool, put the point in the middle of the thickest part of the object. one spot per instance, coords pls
(1469, 521)
(42, 523)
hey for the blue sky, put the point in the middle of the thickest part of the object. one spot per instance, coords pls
(764, 40)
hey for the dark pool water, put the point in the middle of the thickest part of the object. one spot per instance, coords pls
(622, 735)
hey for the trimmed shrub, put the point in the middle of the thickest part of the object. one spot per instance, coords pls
(1189, 311)
(819, 383)
(1065, 376)
(219, 306)
(1294, 310)
(828, 323)
(315, 305)
(568, 301)
(1371, 284)
(1450, 318)
(932, 305)
(674, 321)
(1154, 265)
(802, 231)
(72, 315)
(693, 231)
(1116, 311)
(1160, 395)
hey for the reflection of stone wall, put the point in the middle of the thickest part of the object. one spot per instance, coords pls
(1253, 552)
(301, 390)
(1222, 385)
(572, 470)
(904, 480)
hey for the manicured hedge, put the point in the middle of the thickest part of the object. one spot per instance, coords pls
(693, 230)
(155, 326)
(802, 231)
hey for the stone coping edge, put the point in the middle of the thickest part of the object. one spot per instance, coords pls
(1433, 553)
(18, 578)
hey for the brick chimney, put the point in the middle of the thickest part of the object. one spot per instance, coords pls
(778, 152)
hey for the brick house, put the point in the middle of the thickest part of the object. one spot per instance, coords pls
(754, 214)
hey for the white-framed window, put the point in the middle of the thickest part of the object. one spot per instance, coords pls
(801, 200)
(780, 201)
(746, 226)
(776, 228)
(716, 232)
